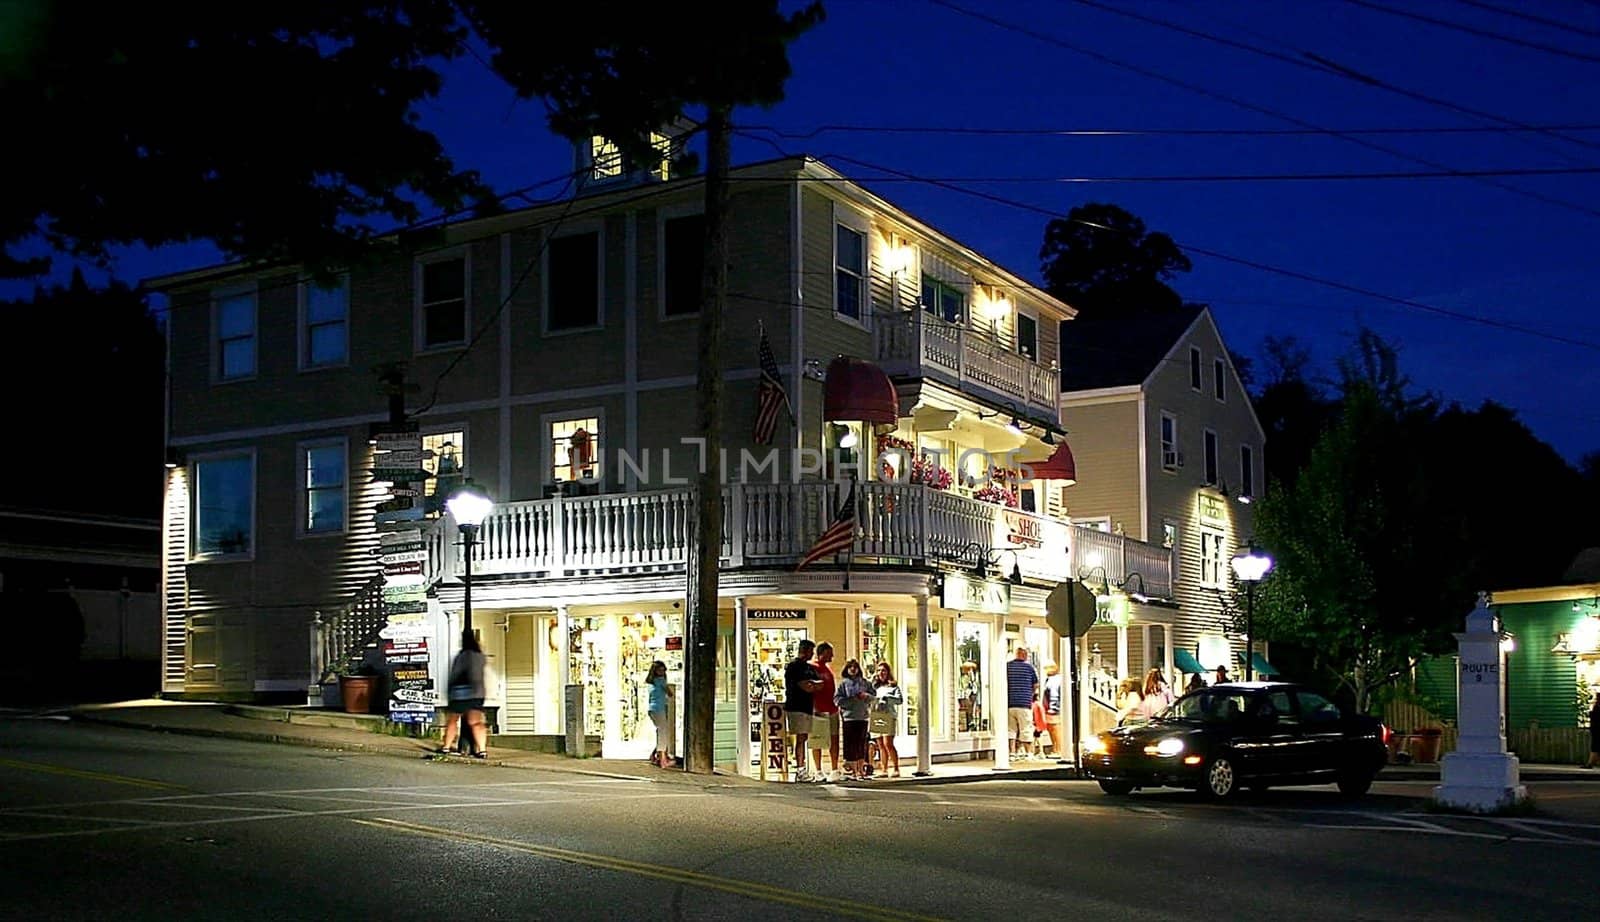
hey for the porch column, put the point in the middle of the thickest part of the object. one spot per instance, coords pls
(999, 703)
(741, 684)
(1122, 653)
(924, 693)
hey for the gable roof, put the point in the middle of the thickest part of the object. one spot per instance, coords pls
(1116, 351)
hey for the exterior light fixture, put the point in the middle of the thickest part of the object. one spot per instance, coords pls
(1015, 426)
(469, 505)
(848, 439)
(1249, 566)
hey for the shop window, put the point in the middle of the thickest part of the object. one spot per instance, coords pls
(575, 450)
(323, 480)
(324, 319)
(878, 643)
(938, 632)
(224, 505)
(972, 679)
(448, 465)
(572, 287)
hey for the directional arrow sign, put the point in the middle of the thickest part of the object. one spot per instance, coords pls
(401, 457)
(400, 547)
(400, 515)
(400, 536)
(399, 474)
(404, 557)
(405, 608)
(402, 492)
(395, 505)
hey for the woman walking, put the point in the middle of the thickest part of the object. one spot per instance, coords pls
(886, 714)
(854, 698)
(1156, 694)
(657, 680)
(466, 694)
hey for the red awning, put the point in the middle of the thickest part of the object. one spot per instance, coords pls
(1059, 466)
(857, 390)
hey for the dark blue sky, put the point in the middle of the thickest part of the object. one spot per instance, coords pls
(1454, 243)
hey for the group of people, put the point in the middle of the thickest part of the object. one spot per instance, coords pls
(1143, 700)
(1033, 711)
(863, 712)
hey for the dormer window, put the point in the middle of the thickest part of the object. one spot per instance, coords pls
(606, 162)
(605, 159)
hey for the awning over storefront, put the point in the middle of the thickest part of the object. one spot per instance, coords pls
(1260, 665)
(1059, 466)
(856, 389)
(1184, 662)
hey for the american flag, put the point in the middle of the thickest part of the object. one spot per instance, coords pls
(770, 395)
(840, 536)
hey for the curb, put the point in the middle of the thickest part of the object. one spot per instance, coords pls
(240, 735)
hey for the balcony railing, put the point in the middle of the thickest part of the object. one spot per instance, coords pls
(918, 343)
(774, 525)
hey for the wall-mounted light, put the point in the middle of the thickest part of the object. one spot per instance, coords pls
(999, 307)
(1508, 643)
(174, 458)
(848, 440)
(900, 257)
(1015, 426)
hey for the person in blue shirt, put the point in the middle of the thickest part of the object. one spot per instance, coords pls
(1022, 686)
(657, 680)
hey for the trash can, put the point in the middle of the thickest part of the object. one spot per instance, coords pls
(1425, 744)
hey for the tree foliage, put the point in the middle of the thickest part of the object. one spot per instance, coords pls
(1102, 260)
(281, 130)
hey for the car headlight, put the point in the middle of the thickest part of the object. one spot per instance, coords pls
(1170, 746)
(1096, 746)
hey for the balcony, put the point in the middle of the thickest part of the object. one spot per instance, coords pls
(773, 525)
(918, 344)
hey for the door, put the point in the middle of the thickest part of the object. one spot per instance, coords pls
(519, 709)
(1323, 728)
(217, 655)
(1280, 746)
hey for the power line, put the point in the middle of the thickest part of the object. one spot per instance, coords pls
(1232, 177)
(1474, 31)
(797, 134)
(1250, 263)
(1246, 104)
(1320, 64)
(1552, 23)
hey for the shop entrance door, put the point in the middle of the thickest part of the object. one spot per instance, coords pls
(772, 647)
(642, 638)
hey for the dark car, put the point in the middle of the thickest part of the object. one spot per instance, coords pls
(1242, 734)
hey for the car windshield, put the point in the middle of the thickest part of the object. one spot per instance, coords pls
(1208, 707)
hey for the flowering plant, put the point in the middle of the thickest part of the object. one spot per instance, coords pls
(887, 442)
(997, 493)
(929, 474)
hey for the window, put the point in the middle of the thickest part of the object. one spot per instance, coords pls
(224, 505)
(683, 262)
(1170, 459)
(1277, 703)
(1027, 336)
(1211, 457)
(850, 271)
(324, 318)
(236, 335)
(943, 301)
(575, 450)
(1194, 368)
(1216, 379)
(1169, 534)
(573, 282)
(662, 167)
(444, 455)
(1210, 707)
(1247, 471)
(1098, 523)
(1316, 709)
(442, 302)
(605, 157)
(324, 483)
(1211, 565)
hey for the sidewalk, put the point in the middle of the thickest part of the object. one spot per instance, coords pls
(321, 729)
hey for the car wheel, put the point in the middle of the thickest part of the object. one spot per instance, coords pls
(1222, 779)
(1116, 787)
(1354, 783)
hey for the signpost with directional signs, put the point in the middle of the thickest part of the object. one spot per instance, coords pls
(397, 459)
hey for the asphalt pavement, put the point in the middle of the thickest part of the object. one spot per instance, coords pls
(99, 821)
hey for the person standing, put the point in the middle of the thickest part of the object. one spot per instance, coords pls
(466, 693)
(827, 714)
(1022, 685)
(854, 698)
(799, 684)
(1128, 699)
(1594, 732)
(1156, 694)
(1052, 708)
(1195, 684)
(657, 680)
(887, 713)
(1222, 675)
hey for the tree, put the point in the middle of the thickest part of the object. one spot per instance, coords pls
(277, 131)
(623, 77)
(1293, 409)
(1101, 260)
(88, 428)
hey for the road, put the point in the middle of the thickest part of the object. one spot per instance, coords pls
(99, 822)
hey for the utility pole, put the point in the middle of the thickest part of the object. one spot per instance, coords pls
(701, 666)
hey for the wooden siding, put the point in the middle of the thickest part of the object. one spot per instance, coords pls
(1543, 685)
(174, 584)
(1103, 438)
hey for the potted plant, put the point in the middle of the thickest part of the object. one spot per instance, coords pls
(356, 688)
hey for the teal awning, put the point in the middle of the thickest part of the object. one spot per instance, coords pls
(1260, 665)
(1185, 662)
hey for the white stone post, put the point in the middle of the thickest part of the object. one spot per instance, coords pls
(924, 693)
(741, 683)
(1480, 775)
(999, 703)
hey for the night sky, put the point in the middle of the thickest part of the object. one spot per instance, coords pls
(1454, 243)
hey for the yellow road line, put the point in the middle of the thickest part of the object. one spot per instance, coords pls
(684, 876)
(88, 775)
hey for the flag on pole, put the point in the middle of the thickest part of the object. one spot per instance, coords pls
(770, 395)
(840, 536)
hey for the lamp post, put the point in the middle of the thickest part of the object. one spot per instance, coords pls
(469, 505)
(1249, 566)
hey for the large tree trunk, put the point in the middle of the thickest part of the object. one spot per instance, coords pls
(700, 677)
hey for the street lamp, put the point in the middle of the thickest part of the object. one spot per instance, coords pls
(469, 505)
(1249, 566)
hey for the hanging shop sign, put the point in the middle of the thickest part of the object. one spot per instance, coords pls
(1113, 609)
(776, 614)
(959, 592)
(1022, 529)
(1211, 508)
